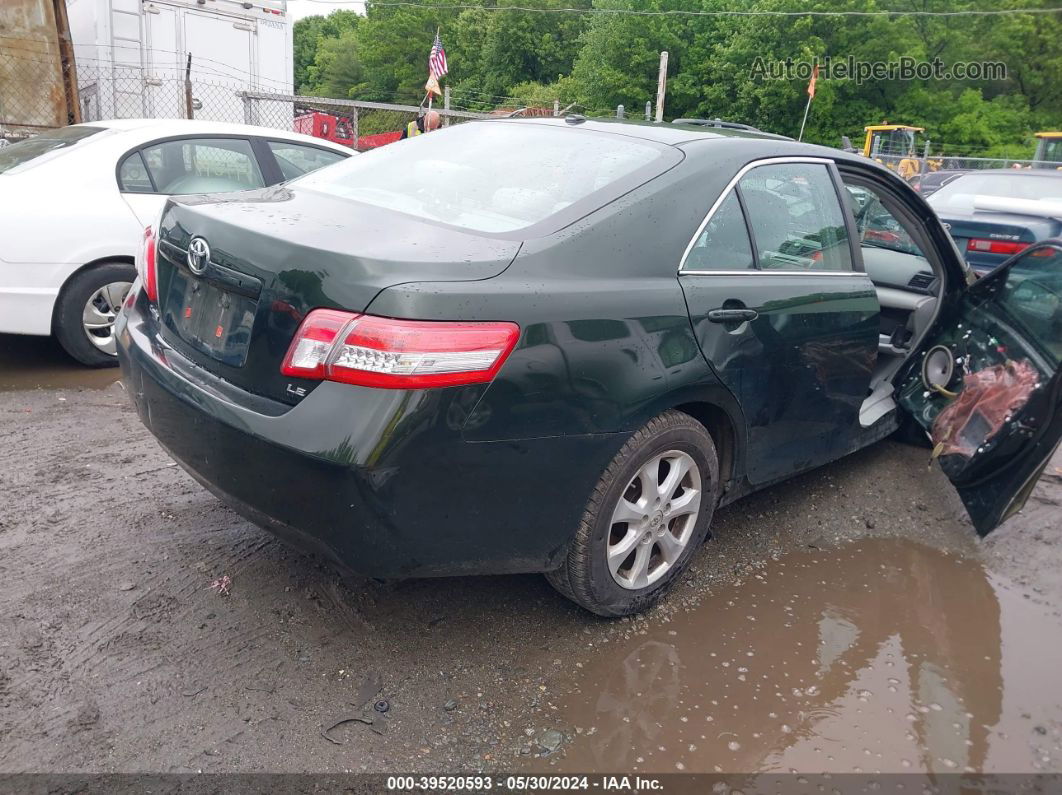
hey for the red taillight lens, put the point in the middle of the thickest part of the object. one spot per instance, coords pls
(995, 246)
(145, 264)
(313, 342)
(397, 354)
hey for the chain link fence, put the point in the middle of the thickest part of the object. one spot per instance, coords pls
(957, 163)
(32, 98)
(112, 91)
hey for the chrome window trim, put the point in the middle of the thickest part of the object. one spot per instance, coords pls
(771, 272)
(729, 189)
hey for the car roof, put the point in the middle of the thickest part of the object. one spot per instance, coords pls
(1018, 172)
(162, 128)
(668, 134)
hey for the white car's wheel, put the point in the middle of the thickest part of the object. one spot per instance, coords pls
(86, 309)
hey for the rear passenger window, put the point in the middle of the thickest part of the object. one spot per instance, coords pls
(724, 243)
(877, 227)
(796, 218)
(208, 165)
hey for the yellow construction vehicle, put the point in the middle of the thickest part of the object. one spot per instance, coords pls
(893, 145)
(1048, 150)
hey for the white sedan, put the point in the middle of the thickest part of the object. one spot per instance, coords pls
(74, 203)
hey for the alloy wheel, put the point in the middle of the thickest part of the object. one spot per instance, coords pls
(98, 316)
(654, 519)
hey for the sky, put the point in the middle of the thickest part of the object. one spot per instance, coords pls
(297, 9)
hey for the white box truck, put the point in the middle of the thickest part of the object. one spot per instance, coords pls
(131, 57)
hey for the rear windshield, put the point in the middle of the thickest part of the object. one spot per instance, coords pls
(959, 194)
(493, 177)
(32, 148)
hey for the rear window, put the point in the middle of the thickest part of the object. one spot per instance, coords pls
(959, 194)
(32, 148)
(493, 177)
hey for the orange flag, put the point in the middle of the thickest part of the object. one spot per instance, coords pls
(814, 77)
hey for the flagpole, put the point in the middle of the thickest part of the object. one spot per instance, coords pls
(429, 92)
(811, 96)
(805, 121)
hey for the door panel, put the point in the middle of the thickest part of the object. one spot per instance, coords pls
(800, 369)
(145, 206)
(781, 316)
(994, 415)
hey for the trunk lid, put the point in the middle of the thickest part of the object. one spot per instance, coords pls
(1004, 227)
(275, 254)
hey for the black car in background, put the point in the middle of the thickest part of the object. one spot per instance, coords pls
(558, 345)
(994, 214)
(930, 182)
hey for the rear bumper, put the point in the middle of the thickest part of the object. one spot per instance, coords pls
(379, 481)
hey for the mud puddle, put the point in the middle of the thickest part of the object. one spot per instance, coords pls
(39, 363)
(881, 656)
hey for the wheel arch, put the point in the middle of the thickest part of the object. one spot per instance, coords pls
(714, 407)
(124, 259)
(723, 432)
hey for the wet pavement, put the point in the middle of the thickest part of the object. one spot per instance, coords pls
(883, 655)
(849, 619)
(41, 363)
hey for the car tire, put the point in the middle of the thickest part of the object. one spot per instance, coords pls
(103, 285)
(604, 562)
(911, 433)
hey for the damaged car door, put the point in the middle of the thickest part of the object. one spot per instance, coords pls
(986, 386)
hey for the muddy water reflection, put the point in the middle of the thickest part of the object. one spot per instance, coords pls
(882, 656)
(39, 363)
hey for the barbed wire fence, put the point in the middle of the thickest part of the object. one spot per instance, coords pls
(108, 90)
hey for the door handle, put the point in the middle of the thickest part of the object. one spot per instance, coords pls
(732, 315)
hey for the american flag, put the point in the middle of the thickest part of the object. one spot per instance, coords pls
(437, 59)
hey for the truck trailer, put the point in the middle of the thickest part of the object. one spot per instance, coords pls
(133, 58)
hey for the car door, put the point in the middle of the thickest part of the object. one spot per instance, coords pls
(783, 312)
(986, 385)
(185, 165)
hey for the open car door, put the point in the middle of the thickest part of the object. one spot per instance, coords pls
(986, 386)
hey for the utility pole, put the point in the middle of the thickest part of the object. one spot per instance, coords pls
(661, 87)
(446, 105)
(66, 56)
(189, 112)
(648, 110)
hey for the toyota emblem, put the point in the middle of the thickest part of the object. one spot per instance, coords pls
(198, 255)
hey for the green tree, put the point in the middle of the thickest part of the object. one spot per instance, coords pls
(308, 35)
(500, 55)
(336, 71)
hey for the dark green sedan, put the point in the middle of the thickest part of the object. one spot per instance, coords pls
(558, 345)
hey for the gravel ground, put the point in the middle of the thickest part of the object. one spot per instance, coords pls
(117, 654)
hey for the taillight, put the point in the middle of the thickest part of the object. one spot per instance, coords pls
(145, 264)
(397, 354)
(995, 246)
